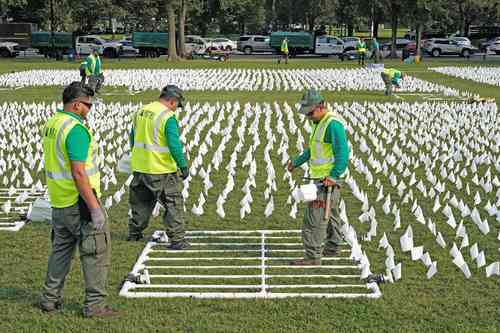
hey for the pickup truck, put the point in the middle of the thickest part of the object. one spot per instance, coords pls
(85, 44)
(9, 49)
(25, 36)
(154, 44)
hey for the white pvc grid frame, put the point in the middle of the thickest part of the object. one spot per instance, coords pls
(135, 289)
(8, 223)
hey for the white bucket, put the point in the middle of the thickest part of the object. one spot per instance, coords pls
(41, 211)
(306, 193)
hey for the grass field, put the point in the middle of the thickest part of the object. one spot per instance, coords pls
(446, 303)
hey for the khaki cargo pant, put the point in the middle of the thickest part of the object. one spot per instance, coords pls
(145, 191)
(388, 84)
(69, 231)
(318, 233)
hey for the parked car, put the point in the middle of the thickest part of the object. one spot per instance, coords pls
(221, 43)
(254, 43)
(494, 46)
(461, 40)
(196, 44)
(438, 46)
(128, 47)
(329, 45)
(490, 42)
(350, 43)
(401, 43)
(9, 49)
(85, 44)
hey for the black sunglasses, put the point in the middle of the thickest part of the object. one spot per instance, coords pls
(88, 105)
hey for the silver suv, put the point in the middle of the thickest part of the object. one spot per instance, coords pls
(249, 44)
(438, 46)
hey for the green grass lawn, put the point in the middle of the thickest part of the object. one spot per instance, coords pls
(446, 303)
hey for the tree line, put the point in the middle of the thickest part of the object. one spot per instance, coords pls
(234, 17)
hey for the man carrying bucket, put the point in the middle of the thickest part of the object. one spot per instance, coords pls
(328, 156)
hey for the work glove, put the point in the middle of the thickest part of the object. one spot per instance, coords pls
(98, 217)
(184, 173)
(290, 166)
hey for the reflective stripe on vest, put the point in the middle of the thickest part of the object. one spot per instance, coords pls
(61, 160)
(319, 134)
(61, 184)
(156, 146)
(150, 153)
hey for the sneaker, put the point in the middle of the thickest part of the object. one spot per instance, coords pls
(306, 262)
(180, 245)
(135, 238)
(49, 306)
(104, 311)
(330, 252)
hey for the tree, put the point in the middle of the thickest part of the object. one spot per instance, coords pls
(346, 12)
(421, 13)
(394, 8)
(172, 41)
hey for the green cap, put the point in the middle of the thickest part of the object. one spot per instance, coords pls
(310, 99)
(173, 91)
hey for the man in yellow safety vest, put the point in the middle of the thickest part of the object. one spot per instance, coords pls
(361, 49)
(284, 51)
(78, 220)
(328, 157)
(157, 154)
(91, 68)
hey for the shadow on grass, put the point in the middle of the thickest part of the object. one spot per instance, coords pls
(30, 297)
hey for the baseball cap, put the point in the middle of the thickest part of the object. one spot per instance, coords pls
(173, 91)
(310, 99)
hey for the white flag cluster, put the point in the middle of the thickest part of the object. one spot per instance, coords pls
(229, 80)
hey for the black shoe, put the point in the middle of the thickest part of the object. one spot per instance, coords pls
(134, 238)
(181, 245)
(330, 252)
(49, 306)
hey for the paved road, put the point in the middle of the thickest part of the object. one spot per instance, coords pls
(239, 55)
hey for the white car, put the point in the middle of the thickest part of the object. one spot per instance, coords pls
(196, 44)
(350, 43)
(438, 46)
(9, 49)
(223, 44)
(495, 47)
(461, 40)
(127, 47)
(329, 45)
(85, 45)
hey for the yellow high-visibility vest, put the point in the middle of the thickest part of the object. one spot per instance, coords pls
(61, 185)
(91, 68)
(322, 158)
(150, 153)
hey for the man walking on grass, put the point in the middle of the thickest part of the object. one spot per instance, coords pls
(157, 155)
